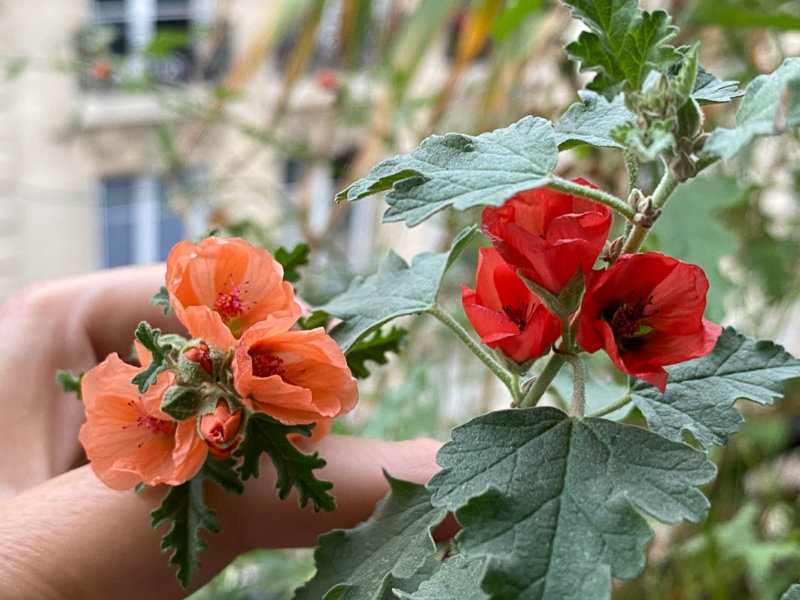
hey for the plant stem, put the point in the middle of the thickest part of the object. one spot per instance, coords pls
(495, 367)
(609, 408)
(543, 381)
(576, 189)
(632, 168)
(661, 194)
(577, 407)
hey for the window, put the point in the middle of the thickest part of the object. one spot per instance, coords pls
(168, 41)
(136, 223)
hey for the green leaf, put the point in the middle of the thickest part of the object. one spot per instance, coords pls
(624, 43)
(690, 229)
(793, 593)
(658, 138)
(462, 171)
(374, 348)
(149, 339)
(291, 260)
(361, 563)
(161, 298)
(70, 383)
(700, 393)
(553, 503)
(294, 469)
(770, 106)
(709, 89)
(395, 290)
(458, 578)
(185, 508)
(224, 474)
(318, 318)
(592, 120)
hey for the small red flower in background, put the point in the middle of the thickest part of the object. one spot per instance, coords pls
(547, 235)
(296, 377)
(646, 311)
(505, 313)
(126, 436)
(219, 287)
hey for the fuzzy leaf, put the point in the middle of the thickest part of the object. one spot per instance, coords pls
(700, 393)
(290, 260)
(395, 290)
(592, 120)
(770, 106)
(374, 348)
(793, 593)
(361, 563)
(458, 577)
(553, 503)
(709, 89)
(149, 339)
(624, 43)
(161, 298)
(224, 474)
(462, 171)
(70, 383)
(185, 508)
(294, 469)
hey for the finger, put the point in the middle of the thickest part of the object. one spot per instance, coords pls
(99, 543)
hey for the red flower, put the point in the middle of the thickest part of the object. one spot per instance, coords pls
(296, 377)
(547, 235)
(646, 311)
(505, 313)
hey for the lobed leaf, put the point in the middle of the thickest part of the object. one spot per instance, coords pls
(623, 45)
(709, 89)
(149, 338)
(291, 260)
(394, 291)
(770, 106)
(700, 393)
(793, 593)
(70, 383)
(458, 577)
(263, 434)
(592, 120)
(185, 508)
(361, 563)
(462, 171)
(552, 502)
(374, 348)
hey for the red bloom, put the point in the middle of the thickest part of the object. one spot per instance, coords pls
(505, 313)
(646, 311)
(296, 377)
(547, 235)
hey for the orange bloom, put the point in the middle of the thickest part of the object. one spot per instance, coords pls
(220, 287)
(221, 429)
(126, 436)
(296, 377)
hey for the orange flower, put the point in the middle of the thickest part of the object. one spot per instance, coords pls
(126, 436)
(220, 287)
(296, 377)
(221, 429)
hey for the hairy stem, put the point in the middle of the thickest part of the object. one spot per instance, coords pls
(576, 189)
(577, 407)
(609, 408)
(662, 193)
(543, 381)
(508, 378)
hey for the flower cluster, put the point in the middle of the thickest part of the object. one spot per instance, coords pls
(645, 310)
(244, 357)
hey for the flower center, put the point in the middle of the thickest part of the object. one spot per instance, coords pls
(266, 365)
(229, 304)
(154, 424)
(627, 321)
(519, 314)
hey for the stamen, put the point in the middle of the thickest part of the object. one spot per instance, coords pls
(154, 424)
(230, 305)
(519, 314)
(266, 365)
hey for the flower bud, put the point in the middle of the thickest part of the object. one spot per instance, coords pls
(220, 428)
(200, 354)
